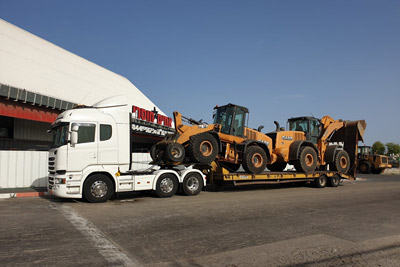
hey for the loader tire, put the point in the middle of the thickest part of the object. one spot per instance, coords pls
(307, 160)
(277, 166)
(365, 167)
(155, 153)
(174, 152)
(341, 162)
(203, 148)
(232, 167)
(255, 160)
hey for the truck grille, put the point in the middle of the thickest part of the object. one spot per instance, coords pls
(51, 165)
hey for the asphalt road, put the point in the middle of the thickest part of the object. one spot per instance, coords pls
(355, 224)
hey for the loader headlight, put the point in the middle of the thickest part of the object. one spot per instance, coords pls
(202, 126)
(59, 180)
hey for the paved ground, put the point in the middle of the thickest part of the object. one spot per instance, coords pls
(356, 224)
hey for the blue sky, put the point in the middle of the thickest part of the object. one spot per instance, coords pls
(279, 58)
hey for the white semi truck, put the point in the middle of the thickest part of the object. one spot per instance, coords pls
(91, 156)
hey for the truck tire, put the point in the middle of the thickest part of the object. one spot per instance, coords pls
(203, 148)
(166, 185)
(277, 166)
(334, 181)
(320, 182)
(255, 160)
(174, 152)
(192, 184)
(307, 160)
(98, 188)
(341, 162)
(365, 167)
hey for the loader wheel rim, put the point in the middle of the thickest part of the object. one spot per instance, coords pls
(206, 148)
(257, 160)
(343, 162)
(176, 152)
(309, 160)
(363, 167)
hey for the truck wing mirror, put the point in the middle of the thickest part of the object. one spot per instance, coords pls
(74, 134)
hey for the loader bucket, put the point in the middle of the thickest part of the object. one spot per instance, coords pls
(350, 134)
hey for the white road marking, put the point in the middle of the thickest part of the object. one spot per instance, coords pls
(105, 247)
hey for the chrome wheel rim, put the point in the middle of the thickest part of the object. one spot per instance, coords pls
(193, 184)
(166, 185)
(99, 189)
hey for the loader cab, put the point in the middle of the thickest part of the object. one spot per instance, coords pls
(232, 119)
(309, 125)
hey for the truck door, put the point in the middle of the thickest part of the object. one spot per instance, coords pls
(84, 153)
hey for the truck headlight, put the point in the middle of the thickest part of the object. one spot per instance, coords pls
(59, 180)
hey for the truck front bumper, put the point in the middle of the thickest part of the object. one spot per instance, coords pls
(66, 190)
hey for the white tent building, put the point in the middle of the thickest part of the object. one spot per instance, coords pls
(38, 81)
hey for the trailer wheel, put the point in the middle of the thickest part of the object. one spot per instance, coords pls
(174, 152)
(166, 185)
(321, 181)
(98, 188)
(334, 181)
(203, 148)
(365, 167)
(341, 162)
(255, 160)
(277, 166)
(307, 161)
(192, 184)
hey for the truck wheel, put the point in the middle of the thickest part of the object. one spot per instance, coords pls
(203, 148)
(321, 181)
(334, 180)
(307, 161)
(174, 152)
(167, 185)
(255, 160)
(232, 167)
(277, 166)
(98, 188)
(192, 184)
(341, 162)
(365, 167)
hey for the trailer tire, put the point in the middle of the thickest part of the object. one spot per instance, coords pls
(365, 167)
(203, 148)
(334, 181)
(98, 188)
(166, 185)
(255, 160)
(277, 166)
(307, 160)
(174, 152)
(320, 182)
(341, 162)
(192, 184)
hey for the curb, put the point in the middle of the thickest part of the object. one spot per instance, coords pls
(24, 194)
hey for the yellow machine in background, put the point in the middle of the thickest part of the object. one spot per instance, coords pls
(369, 162)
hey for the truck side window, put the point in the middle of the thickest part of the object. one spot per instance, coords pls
(86, 133)
(105, 132)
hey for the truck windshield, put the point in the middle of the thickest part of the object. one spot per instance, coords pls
(60, 134)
